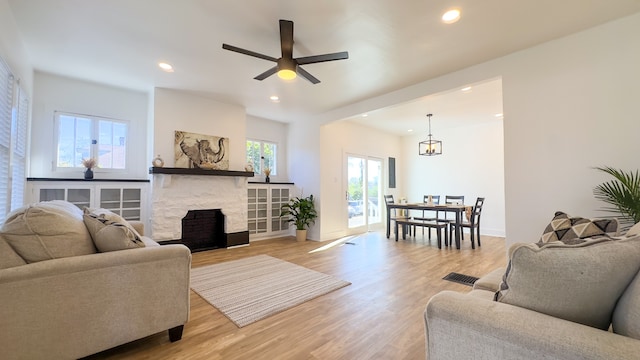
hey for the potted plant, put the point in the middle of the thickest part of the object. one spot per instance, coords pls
(622, 193)
(302, 212)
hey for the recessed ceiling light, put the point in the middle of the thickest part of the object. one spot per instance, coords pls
(410, 130)
(466, 89)
(498, 115)
(365, 115)
(165, 66)
(451, 16)
(274, 98)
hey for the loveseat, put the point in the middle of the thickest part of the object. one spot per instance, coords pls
(73, 284)
(560, 299)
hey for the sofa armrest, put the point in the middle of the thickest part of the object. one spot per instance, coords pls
(73, 307)
(460, 326)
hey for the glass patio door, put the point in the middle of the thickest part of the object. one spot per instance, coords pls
(364, 193)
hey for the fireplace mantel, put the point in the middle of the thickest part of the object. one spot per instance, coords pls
(183, 171)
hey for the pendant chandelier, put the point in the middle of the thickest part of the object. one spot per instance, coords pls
(430, 147)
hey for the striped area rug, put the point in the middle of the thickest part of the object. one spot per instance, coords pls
(253, 288)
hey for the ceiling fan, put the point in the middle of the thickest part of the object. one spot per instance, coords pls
(287, 67)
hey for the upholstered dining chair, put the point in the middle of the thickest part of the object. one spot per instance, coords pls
(435, 199)
(388, 199)
(472, 223)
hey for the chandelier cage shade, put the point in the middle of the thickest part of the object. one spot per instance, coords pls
(430, 147)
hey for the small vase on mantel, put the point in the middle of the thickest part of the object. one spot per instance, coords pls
(88, 174)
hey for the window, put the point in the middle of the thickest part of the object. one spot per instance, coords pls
(263, 155)
(85, 136)
(14, 105)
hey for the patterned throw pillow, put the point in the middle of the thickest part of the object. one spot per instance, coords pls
(108, 235)
(110, 215)
(572, 230)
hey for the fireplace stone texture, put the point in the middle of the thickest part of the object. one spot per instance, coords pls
(174, 195)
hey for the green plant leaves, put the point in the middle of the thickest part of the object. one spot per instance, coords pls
(301, 212)
(622, 194)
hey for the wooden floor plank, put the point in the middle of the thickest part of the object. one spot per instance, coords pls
(379, 316)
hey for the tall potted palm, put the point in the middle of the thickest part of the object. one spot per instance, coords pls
(302, 212)
(622, 194)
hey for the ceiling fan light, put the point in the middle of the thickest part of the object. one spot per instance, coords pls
(287, 74)
(451, 16)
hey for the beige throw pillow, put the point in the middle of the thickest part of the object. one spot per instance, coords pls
(111, 236)
(8, 257)
(47, 230)
(580, 282)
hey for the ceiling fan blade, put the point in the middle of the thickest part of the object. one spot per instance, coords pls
(248, 52)
(322, 58)
(312, 79)
(267, 73)
(286, 38)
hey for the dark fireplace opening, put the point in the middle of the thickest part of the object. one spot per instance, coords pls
(203, 230)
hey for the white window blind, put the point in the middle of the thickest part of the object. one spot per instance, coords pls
(19, 155)
(6, 102)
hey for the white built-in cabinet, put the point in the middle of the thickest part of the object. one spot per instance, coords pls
(127, 199)
(263, 215)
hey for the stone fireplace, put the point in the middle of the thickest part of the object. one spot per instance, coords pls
(178, 194)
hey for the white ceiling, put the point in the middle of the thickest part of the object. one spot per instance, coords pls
(391, 45)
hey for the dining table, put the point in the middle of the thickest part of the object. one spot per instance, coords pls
(457, 209)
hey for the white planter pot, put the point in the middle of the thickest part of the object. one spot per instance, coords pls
(301, 235)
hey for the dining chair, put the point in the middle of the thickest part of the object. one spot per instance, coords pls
(388, 199)
(435, 199)
(449, 200)
(472, 223)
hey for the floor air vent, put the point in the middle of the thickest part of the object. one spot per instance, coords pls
(461, 278)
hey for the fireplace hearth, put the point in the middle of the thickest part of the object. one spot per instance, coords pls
(203, 230)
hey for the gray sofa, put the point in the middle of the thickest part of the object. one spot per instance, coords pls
(557, 300)
(71, 287)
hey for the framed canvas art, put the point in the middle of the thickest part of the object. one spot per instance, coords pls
(193, 151)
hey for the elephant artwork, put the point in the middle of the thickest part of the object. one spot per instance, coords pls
(201, 151)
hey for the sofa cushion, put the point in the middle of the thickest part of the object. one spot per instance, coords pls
(47, 230)
(109, 235)
(110, 215)
(571, 229)
(8, 257)
(579, 282)
(626, 316)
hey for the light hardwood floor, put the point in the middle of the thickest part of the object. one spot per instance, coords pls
(378, 316)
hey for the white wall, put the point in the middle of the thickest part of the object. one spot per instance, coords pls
(56, 93)
(275, 132)
(569, 105)
(304, 154)
(12, 49)
(179, 110)
(337, 140)
(471, 164)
